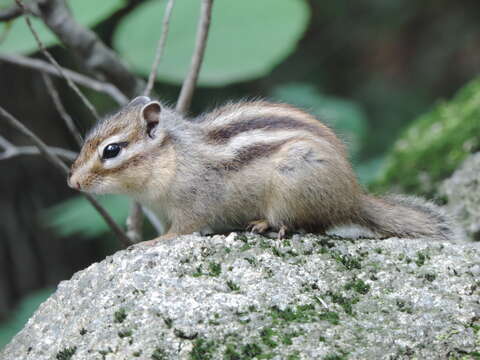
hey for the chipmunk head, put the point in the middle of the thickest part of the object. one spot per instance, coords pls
(116, 155)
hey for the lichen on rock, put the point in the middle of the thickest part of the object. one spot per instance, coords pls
(245, 296)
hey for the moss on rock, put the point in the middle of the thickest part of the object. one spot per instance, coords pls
(434, 145)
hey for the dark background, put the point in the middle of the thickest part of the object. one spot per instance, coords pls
(391, 59)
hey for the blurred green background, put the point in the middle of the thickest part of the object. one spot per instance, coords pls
(368, 68)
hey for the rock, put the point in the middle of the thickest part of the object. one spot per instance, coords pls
(250, 297)
(434, 145)
(462, 191)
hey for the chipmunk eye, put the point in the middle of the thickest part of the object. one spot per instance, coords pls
(111, 150)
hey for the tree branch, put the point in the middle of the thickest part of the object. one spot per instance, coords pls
(160, 48)
(150, 215)
(54, 62)
(78, 78)
(59, 164)
(61, 110)
(185, 97)
(13, 12)
(10, 13)
(43, 149)
(11, 151)
(96, 56)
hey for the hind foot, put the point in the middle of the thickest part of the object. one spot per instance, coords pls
(258, 226)
(261, 227)
(282, 232)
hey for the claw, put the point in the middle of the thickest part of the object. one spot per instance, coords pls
(258, 226)
(282, 232)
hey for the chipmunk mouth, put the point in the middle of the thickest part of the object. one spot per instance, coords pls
(73, 182)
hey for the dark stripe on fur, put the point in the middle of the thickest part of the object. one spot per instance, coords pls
(249, 154)
(223, 134)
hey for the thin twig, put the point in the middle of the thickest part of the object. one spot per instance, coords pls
(185, 97)
(32, 150)
(59, 164)
(61, 109)
(87, 46)
(11, 151)
(44, 150)
(119, 233)
(160, 47)
(150, 215)
(54, 62)
(13, 12)
(78, 78)
(10, 13)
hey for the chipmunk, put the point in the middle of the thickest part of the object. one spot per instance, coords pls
(248, 165)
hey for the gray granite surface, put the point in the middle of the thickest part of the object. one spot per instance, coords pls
(250, 297)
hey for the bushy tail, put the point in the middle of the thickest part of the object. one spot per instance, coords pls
(406, 216)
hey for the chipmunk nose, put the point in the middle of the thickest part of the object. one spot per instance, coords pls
(72, 182)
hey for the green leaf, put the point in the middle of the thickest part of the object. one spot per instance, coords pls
(20, 40)
(77, 216)
(247, 38)
(345, 116)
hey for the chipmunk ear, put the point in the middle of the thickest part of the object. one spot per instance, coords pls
(139, 100)
(151, 115)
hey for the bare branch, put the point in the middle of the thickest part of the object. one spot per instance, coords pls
(160, 47)
(10, 13)
(59, 164)
(150, 215)
(54, 62)
(80, 79)
(44, 150)
(185, 97)
(11, 151)
(15, 11)
(32, 150)
(108, 219)
(5, 144)
(96, 56)
(61, 109)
